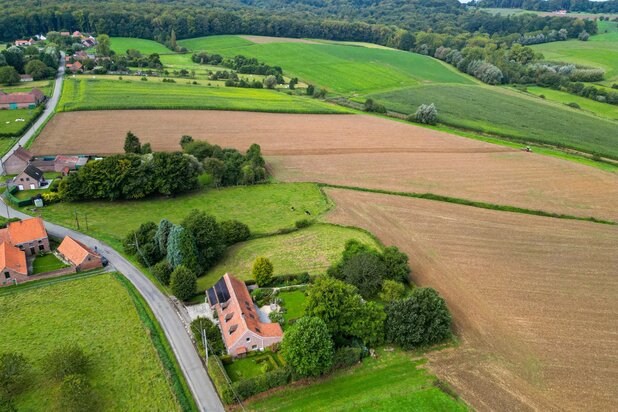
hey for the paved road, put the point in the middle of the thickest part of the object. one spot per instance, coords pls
(203, 391)
(49, 109)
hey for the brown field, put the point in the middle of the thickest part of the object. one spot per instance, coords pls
(355, 150)
(535, 300)
(267, 39)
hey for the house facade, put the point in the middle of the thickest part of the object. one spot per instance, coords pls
(17, 161)
(239, 321)
(21, 100)
(30, 178)
(28, 235)
(79, 255)
(13, 266)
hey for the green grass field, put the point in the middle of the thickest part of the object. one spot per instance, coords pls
(600, 51)
(308, 250)
(97, 314)
(47, 263)
(44, 85)
(8, 123)
(265, 208)
(251, 366)
(294, 304)
(509, 114)
(395, 381)
(340, 68)
(600, 109)
(121, 44)
(96, 94)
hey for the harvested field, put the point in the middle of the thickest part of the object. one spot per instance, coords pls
(267, 39)
(356, 150)
(535, 300)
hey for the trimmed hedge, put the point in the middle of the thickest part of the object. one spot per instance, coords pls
(19, 203)
(258, 384)
(285, 280)
(346, 357)
(220, 379)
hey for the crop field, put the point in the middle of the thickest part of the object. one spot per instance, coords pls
(97, 314)
(357, 150)
(339, 68)
(600, 109)
(8, 123)
(269, 210)
(121, 44)
(311, 250)
(44, 85)
(393, 381)
(93, 94)
(600, 51)
(508, 113)
(534, 299)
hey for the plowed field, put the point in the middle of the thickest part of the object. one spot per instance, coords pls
(355, 150)
(535, 300)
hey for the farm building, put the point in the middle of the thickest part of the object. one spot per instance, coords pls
(17, 161)
(74, 67)
(21, 100)
(79, 255)
(239, 322)
(23, 42)
(28, 235)
(30, 178)
(12, 264)
(25, 78)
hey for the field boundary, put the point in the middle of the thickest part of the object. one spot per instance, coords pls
(472, 203)
(175, 377)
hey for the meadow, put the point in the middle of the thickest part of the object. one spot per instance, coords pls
(121, 44)
(605, 110)
(97, 314)
(508, 114)
(392, 381)
(10, 127)
(339, 68)
(95, 94)
(312, 250)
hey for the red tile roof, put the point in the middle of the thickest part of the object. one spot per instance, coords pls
(13, 258)
(26, 230)
(75, 251)
(33, 96)
(22, 154)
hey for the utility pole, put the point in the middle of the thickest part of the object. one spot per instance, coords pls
(140, 252)
(205, 343)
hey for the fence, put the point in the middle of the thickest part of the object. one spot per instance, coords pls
(10, 195)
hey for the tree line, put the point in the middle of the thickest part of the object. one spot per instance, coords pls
(610, 6)
(40, 64)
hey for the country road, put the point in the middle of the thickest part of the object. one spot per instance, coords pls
(194, 372)
(50, 107)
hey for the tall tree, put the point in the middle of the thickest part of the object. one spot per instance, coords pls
(173, 44)
(307, 347)
(132, 143)
(183, 283)
(103, 45)
(262, 271)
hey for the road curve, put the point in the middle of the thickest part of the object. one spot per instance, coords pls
(50, 107)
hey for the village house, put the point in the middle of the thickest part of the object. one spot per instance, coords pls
(30, 178)
(23, 42)
(17, 161)
(79, 255)
(65, 33)
(21, 100)
(74, 67)
(25, 78)
(28, 235)
(13, 265)
(239, 321)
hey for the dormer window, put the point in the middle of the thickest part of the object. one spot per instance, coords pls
(233, 329)
(229, 316)
(224, 305)
(258, 330)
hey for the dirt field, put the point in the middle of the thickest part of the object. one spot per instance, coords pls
(535, 300)
(355, 150)
(266, 39)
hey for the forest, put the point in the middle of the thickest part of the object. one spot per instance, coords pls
(610, 6)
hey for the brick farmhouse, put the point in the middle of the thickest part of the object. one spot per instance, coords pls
(17, 161)
(79, 255)
(21, 100)
(17, 241)
(29, 179)
(239, 321)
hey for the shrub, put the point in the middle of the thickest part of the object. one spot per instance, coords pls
(392, 290)
(302, 223)
(183, 283)
(583, 36)
(271, 379)
(218, 377)
(67, 360)
(307, 347)
(50, 197)
(573, 105)
(262, 271)
(396, 263)
(345, 357)
(14, 371)
(276, 317)
(163, 271)
(213, 335)
(76, 394)
(234, 231)
(425, 114)
(365, 271)
(263, 296)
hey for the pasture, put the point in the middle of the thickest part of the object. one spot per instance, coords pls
(121, 44)
(392, 381)
(312, 250)
(534, 299)
(9, 124)
(605, 110)
(504, 112)
(97, 314)
(95, 94)
(339, 68)
(358, 150)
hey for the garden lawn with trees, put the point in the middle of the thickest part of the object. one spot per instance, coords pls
(312, 249)
(93, 94)
(394, 380)
(97, 314)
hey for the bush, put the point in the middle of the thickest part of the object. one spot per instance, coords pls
(163, 271)
(262, 271)
(213, 335)
(76, 394)
(219, 379)
(67, 360)
(234, 231)
(183, 283)
(302, 223)
(14, 371)
(573, 105)
(307, 347)
(263, 296)
(425, 114)
(365, 271)
(346, 357)
(50, 197)
(276, 317)
(272, 379)
(392, 290)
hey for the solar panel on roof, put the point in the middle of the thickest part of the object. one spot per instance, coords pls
(212, 298)
(223, 294)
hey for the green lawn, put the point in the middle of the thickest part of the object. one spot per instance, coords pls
(395, 381)
(97, 94)
(600, 109)
(121, 44)
(10, 126)
(294, 304)
(27, 194)
(251, 366)
(600, 51)
(340, 68)
(308, 250)
(47, 263)
(97, 314)
(265, 208)
(6, 143)
(507, 113)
